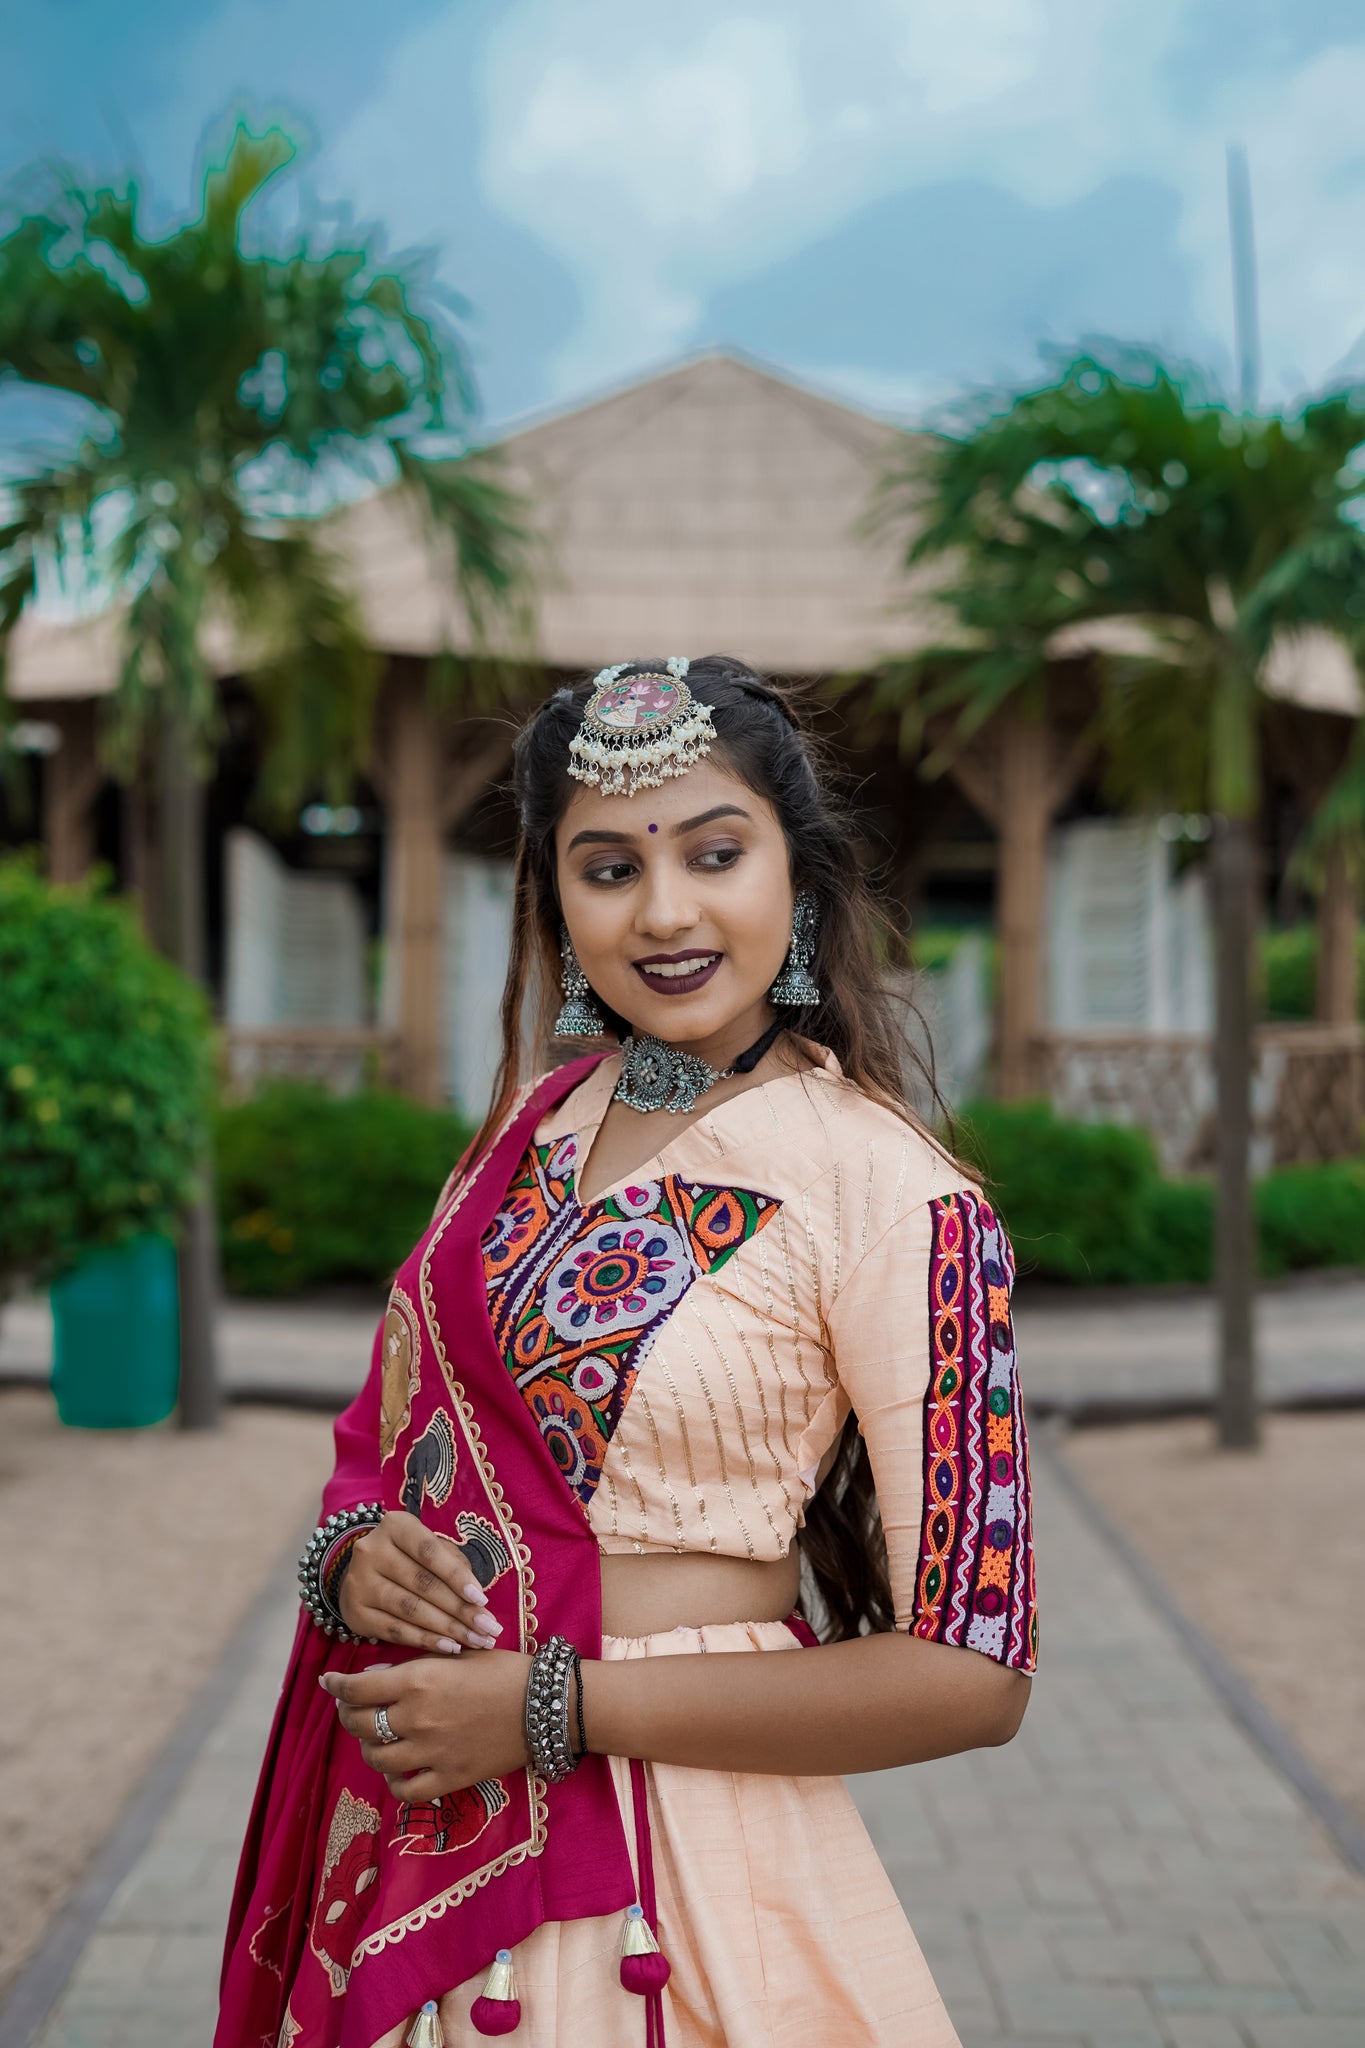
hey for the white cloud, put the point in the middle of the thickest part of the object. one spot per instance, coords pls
(694, 136)
(970, 52)
(661, 152)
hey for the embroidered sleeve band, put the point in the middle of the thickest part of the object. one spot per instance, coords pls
(975, 1578)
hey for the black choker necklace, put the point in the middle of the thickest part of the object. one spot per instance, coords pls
(655, 1075)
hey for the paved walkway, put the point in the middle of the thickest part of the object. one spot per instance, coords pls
(1094, 1348)
(1129, 1873)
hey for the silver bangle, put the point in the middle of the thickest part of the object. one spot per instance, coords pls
(313, 1561)
(547, 1710)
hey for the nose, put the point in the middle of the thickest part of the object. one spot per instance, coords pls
(667, 905)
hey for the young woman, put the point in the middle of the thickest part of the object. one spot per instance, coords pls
(680, 1309)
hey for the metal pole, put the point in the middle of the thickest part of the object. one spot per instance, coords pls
(1233, 875)
(1246, 318)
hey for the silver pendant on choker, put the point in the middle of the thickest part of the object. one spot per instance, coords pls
(655, 1075)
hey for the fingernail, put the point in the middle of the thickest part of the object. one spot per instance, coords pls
(486, 1626)
(444, 1643)
(476, 1594)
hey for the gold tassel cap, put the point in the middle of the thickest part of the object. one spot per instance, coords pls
(500, 1982)
(426, 2030)
(637, 1936)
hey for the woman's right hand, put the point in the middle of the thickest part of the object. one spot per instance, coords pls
(406, 1585)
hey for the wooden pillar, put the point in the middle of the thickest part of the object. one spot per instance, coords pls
(1338, 923)
(413, 777)
(140, 852)
(1018, 774)
(1026, 811)
(71, 781)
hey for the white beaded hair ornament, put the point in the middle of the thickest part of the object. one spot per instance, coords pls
(640, 729)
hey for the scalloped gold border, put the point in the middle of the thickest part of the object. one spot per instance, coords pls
(434, 1909)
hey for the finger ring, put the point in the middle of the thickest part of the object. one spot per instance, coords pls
(383, 1732)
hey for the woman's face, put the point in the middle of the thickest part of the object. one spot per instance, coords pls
(679, 904)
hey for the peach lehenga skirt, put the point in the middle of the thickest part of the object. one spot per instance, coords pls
(774, 1911)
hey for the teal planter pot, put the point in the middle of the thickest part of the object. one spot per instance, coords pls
(116, 1337)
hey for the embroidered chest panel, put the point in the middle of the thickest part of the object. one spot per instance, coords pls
(577, 1295)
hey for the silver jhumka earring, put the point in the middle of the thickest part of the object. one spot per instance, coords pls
(580, 1016)
(794, 985)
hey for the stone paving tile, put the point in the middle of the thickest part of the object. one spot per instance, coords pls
(1129, 1873)
(1078, 1349)
(1204, 2030)
(1314, 2032)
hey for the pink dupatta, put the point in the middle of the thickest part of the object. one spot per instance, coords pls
(342, 1893)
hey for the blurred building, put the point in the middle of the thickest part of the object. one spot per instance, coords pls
(716, 507)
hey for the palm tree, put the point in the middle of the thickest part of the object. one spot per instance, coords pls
(978, 701)
(1126, 506)
(231, 389)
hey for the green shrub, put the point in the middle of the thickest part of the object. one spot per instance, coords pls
(316, 1188)
(1312, 1216)
(1288, 964)
(1289, 967)
(1174, 1237)
(1072, 1194)
(1085, 1203)
(104, 1077)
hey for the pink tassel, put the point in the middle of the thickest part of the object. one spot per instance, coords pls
(643, 1974)
(643, 1967)
(497, 2009)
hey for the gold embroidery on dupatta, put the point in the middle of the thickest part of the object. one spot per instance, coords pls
(436, 1908)
(401, 1378)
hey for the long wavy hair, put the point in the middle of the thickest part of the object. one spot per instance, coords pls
(762, 739)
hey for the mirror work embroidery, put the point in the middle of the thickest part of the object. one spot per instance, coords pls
(576, 1296)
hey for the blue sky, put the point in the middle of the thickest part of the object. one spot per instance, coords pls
(892, 199)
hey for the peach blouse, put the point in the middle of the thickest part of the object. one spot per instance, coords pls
(691, 1342)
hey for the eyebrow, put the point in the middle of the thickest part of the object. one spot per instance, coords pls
(598, 837)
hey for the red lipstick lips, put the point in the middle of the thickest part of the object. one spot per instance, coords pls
(671, 974)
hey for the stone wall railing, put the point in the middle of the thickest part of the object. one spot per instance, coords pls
(341, 1058)
(1308, 1090)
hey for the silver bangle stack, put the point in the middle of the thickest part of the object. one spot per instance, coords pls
(547, 1710)
(316, 1558)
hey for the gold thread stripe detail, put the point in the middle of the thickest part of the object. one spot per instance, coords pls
(795, 1307)
(734, 1323)
(615, 1528)
(867, 1195)
(724, 1363)
(900, 1181)
(659, 1461)
(705, 1386)
(770, 1325)
(619, 1441)
(814, 1249)
(687, 1447)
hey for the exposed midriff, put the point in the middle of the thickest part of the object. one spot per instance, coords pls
(644, 1595)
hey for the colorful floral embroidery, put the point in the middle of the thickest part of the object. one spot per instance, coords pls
(975, 1582)
(577, 1296)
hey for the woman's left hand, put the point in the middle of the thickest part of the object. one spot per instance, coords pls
(455, 1722)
